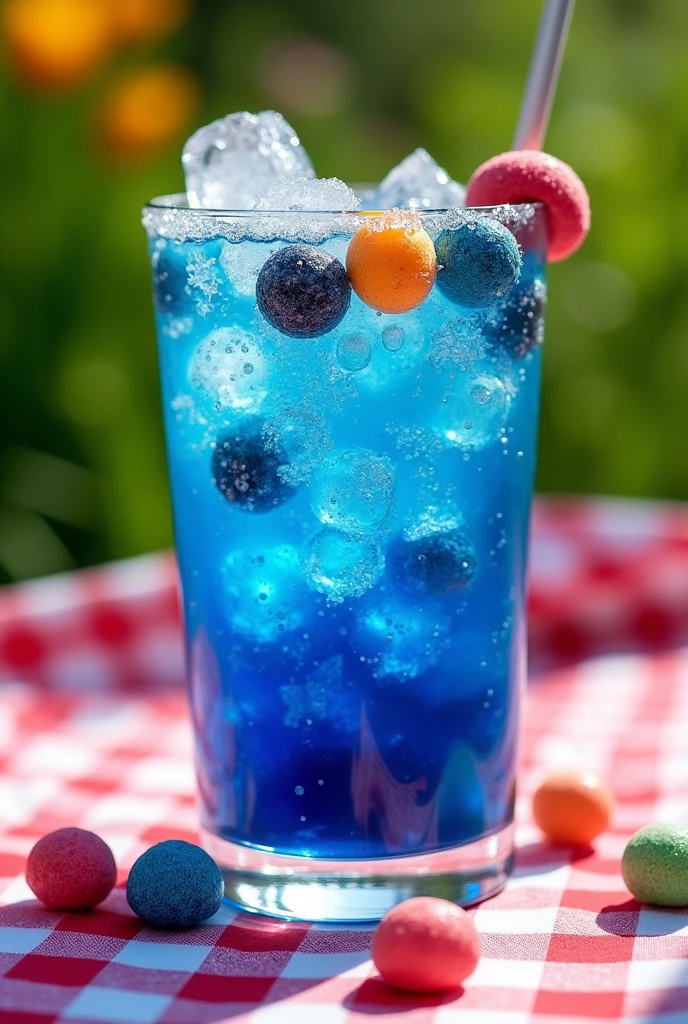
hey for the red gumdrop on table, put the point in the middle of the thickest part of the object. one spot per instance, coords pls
(71, 869)
(426, 944)
(529, 176)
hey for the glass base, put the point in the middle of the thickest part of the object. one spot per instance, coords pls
(305, 889)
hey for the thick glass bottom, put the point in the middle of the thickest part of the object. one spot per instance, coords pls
(306, 889)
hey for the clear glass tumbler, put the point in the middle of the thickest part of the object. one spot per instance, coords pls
(351, 515)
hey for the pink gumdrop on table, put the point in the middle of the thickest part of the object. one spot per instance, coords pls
(528, 176)
(71, 869)
(426, 944)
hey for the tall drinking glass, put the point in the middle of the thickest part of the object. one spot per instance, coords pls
(351, 515)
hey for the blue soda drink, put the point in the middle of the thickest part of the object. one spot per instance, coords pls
(351, 493)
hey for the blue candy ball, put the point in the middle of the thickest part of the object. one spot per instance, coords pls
(440, 564)
(170, 282)
(517, 323)
(477, 263)
(175, 885)
(303, 291)
(246, 468)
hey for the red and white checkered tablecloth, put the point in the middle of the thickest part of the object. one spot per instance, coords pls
(93, 732)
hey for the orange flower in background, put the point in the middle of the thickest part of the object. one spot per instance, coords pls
(57, 44)
(142, 20)
(146, 109)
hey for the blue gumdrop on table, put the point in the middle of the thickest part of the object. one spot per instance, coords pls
(477, 262)
(175, 884)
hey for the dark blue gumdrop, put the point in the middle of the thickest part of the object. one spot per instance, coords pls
(477, 262)
(303, 291)
(247, 472)
(170, 283)
(175, 885)
(517, 323)
(439, 564)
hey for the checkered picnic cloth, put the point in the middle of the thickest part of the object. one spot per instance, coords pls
(94, 732)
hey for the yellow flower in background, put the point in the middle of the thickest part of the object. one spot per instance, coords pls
(57, 44)
(142, 20)
(145, 109)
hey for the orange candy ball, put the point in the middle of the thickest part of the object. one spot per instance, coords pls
(391, 262)
(573, 807)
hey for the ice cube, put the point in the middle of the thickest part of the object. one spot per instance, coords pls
(328, 195)
(229, 367)
(400, 639)
(264, 595)
(303, 436)
(418, 183)
(341, 566)
(476, 411)
(326, 695)
(354, 491)
(228, 162)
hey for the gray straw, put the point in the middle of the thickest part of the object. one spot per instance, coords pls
(543, 74)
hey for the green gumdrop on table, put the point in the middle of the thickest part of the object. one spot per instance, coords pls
(655, 865)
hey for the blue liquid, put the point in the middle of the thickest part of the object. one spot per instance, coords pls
(342, 708)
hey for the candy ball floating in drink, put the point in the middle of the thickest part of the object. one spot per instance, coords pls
(655, 865)
(170, 285)
(426, 944)
(246, 471)
(478, 263)
(391, 262)
(440, 563)
(516, 324)
(572, 807)
(527, 176)
(303, 291)
(175, 884)
(71, 869)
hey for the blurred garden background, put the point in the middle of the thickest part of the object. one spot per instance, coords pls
(96, 98)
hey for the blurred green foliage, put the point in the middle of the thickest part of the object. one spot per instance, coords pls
(82, 473)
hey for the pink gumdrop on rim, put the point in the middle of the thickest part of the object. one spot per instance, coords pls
(426, 944)
(71, 869)
(528, 176)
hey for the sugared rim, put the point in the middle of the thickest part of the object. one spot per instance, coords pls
(178, 201)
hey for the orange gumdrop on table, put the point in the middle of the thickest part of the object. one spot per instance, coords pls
(572, 807)
(391, 262)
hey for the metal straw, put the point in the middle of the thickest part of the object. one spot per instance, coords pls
(543, 74)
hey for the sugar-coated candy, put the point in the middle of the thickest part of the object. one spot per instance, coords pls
(71, 869)
(246, 468)
(175, 884)
(303, 291)
(516, 324)
(391, 262)
(170, 283)
(478, 262)
(527, 175)
(572, 807)
(440, 563)
(655, 865)
(426, 944)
